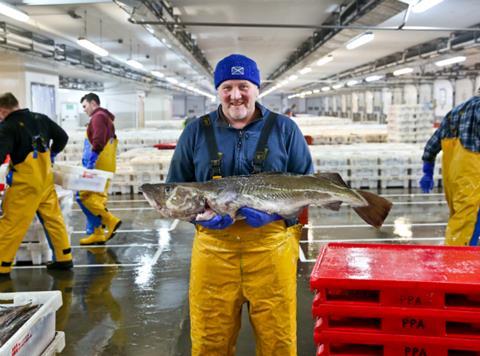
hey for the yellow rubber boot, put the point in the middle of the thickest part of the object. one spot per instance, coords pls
(97, 238)
(112, 223)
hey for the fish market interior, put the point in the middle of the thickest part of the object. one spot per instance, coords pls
(355, 128)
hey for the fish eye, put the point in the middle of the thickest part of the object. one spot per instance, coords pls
(168, 189)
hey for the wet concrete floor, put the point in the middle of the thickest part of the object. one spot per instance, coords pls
(130, 297)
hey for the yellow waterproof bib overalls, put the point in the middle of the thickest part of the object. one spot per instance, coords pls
(242, 264)
(94, 204)
(461, 177)
(32, 191)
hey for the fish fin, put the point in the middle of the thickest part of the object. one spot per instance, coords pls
(335, 206)
(333, 177)
(377, 210)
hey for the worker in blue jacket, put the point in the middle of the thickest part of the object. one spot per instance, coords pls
(251, 261)
(458, 137)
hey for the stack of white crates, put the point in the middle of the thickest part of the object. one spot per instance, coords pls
(409, 123)
(37, 336)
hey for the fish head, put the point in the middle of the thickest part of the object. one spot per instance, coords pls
(174, 200)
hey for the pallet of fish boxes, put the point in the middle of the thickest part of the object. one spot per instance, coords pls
(364, 168)
(28, 324)
(379, 299)
(329, 159)
(394, 169)
(34, 247)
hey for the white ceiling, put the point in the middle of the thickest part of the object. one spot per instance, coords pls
(268, 46)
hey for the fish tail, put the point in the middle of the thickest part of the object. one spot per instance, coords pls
(377, 210)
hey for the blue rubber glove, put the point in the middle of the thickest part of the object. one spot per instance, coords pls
(426, 183)
(52, 156)
(92, 159)
(218, 222)
(257, 218)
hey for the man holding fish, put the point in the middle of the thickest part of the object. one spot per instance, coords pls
(251, 260)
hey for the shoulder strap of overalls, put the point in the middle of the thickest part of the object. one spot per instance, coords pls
(261, 151)
(39, 143)
(214, 153)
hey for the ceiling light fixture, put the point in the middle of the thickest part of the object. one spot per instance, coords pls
(352, 82)
(293, 77)
(171, 80)
(424, 5)
(305, 70)
(157, 73)
(360, 40)
(92, 47)
(337, 86)
(373, 78)
(13, 13)
(324, 60)
(135, 64)
(402, 71)
(326, 89)
(448, 61)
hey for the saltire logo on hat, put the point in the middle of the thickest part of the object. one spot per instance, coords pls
(238, 71)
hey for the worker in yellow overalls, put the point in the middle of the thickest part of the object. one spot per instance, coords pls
(99, 152)
(26, 137)
(248, 263)
(459, 138)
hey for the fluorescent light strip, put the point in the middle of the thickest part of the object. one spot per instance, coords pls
(402, 71)
(325, 60)
(326, 89)
(13, 13)
(373, 78)
(305, 70)
(92, 47)
(353, 82)
(135, 64)
(448, 61)
(337, 86)
(425, 5)
(157, 73)
(360, 40)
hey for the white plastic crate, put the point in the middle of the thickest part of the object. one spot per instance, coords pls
(56, 346)
(35, 252)
(36, 335)
(80, 178)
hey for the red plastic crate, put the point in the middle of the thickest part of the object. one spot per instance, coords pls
(336, 343)
(397, 350)
(397, 320)
(414, 276)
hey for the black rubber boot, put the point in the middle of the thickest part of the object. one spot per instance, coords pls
(63, 265)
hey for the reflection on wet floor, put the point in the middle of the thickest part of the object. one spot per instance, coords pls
(130, 297)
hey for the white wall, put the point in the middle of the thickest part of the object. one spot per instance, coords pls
(425, 94)
(443, 97)
(12, 76)
(369, 102)
(410, 94)
(463, 90)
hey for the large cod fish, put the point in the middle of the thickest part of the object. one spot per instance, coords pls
(281, 193)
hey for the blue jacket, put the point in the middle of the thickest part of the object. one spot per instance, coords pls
(288, 150)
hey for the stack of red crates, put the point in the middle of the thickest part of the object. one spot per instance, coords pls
(377, 299)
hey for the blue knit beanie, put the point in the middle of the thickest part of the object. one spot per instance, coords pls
(236, 66)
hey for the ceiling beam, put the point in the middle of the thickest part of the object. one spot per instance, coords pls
(303, 26)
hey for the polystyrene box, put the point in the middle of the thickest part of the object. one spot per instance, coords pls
(35, 336)
(80, 178)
